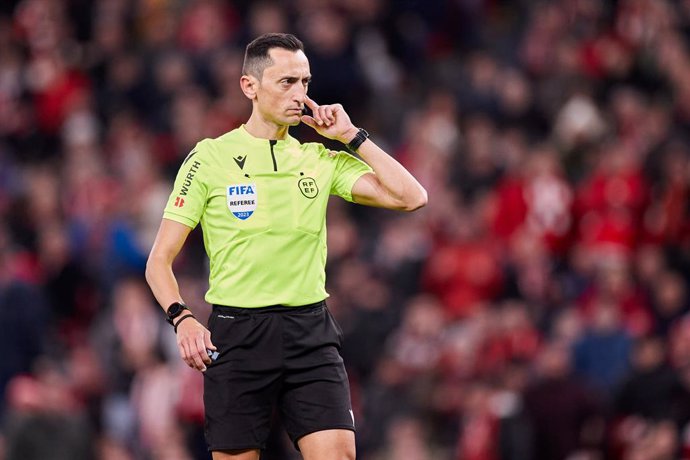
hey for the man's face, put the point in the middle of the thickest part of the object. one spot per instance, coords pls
(283, 87)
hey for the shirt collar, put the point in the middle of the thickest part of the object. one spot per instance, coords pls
(262, 141)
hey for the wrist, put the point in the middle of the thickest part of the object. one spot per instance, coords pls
(175, 310)
(360, 137)
(349, 135)
(183, 317)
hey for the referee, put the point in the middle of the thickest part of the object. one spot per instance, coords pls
(260, 196)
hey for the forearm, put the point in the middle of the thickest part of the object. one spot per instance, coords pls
(398, 183)
(162, 281)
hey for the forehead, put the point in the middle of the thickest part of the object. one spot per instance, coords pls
(286, 62)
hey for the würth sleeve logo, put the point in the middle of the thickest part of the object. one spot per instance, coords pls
(242, 200)
(308, 187)
(189, 178)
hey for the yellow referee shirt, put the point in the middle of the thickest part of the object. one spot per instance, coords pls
(262, 208)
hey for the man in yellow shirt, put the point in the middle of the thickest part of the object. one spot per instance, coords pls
(261, 196)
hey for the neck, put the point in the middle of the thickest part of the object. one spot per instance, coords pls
(264, 129)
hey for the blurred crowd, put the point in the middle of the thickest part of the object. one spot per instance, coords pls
(535, 309)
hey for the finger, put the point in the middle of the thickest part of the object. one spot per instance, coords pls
(184, 350)
(198, 361)
(193, 353)
(310, 103)
(207, 341)
(330, 113)
(309, 121)
(316, 114)
(323, 115)
(315, 109)
(201, 351)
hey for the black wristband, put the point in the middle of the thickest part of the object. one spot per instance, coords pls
(182, 319)
(361, 136)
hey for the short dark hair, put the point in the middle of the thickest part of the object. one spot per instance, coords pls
(256, 57)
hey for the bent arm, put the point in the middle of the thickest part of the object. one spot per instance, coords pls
(159, 274)
(391, 186)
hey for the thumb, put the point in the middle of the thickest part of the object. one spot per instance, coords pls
(309, 121)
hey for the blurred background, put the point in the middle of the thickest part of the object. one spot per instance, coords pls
(536, 308)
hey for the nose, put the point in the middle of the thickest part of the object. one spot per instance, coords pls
(299, 95)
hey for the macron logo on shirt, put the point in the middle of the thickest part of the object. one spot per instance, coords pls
(240, 161)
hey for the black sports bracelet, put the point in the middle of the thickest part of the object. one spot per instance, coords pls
(361, 136)
(182, 319)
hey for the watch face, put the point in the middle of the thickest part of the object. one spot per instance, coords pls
(175, 309)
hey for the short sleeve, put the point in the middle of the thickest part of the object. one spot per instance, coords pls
(188, 198)
(347, 170)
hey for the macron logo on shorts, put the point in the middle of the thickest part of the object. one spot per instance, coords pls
(242, 200)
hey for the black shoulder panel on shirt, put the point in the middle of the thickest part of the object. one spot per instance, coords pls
(191, 154)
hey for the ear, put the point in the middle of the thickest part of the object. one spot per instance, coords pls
(249, 84)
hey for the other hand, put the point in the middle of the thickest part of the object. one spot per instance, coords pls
(192, 340)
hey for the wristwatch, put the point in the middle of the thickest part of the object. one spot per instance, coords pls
(361, 136)
(174, 310)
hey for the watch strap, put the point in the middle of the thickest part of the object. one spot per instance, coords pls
(361, 136)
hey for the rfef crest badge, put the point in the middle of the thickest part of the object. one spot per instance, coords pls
(308, 187)
(241, 200)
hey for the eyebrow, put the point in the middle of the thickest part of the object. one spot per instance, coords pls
(292, 77)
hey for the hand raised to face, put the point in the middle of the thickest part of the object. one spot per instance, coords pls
(330, 121)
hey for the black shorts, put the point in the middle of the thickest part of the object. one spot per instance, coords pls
(274, 357)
